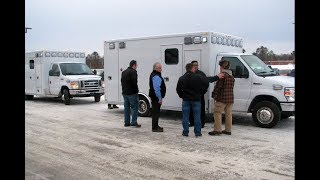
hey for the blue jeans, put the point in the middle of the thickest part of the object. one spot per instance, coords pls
(130, 101)
(196, 107)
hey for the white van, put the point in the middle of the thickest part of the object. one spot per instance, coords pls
(60, 74)
(283, 70)
(258, 90)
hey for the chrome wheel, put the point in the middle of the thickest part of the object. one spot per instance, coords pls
(265, 115)
(142, 106)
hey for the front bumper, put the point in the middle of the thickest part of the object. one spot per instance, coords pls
(86, 92)
(290, 107)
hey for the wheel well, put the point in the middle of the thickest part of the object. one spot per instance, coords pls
(147, 97)
(61, 91)
(260, 98)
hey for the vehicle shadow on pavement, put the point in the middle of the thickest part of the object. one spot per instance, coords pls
(237, 119)
(164, 114)
(246, 120)
(73, 102)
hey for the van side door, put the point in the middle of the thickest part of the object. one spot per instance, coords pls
(172, 62)
(242, 85)
(191, 55)
(30, 77)
(112, 73)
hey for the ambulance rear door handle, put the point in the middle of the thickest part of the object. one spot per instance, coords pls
(166, 78)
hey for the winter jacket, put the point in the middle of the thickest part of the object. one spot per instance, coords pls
(223, 89)
(190, 86)
(129, 81)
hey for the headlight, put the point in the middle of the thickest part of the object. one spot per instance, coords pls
(289, 93)
(74, 85)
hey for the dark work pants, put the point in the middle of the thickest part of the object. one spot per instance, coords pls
(203, 113)
(155, 113)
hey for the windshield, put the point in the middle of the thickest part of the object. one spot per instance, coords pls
(258, 66)
(75, 69)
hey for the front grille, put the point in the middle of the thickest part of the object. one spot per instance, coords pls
(90, 84)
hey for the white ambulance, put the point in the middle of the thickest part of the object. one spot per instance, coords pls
(60, 74)
(258, 90)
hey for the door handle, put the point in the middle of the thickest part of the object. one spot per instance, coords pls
(37, 77)
(256, 83)
(61, 79)
(109, 78)
(166, 78)
(49, 82)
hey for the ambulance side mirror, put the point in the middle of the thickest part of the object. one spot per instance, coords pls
(241, 72)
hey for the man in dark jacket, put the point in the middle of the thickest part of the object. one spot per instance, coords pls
(190, 87)
(129, 83)
(157, 92)
(210, 79)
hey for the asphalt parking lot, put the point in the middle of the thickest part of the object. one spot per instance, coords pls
(85, 140)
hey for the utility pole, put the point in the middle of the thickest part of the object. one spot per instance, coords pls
(26, 29)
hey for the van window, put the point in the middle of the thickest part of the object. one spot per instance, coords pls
(55, 69)
(171, 56)
(235, 64)
(31, 64)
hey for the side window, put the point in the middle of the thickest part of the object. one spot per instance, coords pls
(237, 68)
(171, 56)
(55, 69)
(31, 64)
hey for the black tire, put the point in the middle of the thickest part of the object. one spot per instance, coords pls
(285, 115)
(66, 96)
(266, 114)
(28, 97)
(97, 98)
(144, 107)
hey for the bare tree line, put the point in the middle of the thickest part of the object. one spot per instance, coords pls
(95, 61)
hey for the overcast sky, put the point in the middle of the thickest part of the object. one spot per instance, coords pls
(83, 25)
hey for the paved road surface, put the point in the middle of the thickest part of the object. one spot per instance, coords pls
(85, 140)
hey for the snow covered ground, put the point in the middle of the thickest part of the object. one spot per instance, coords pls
(85, 140)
